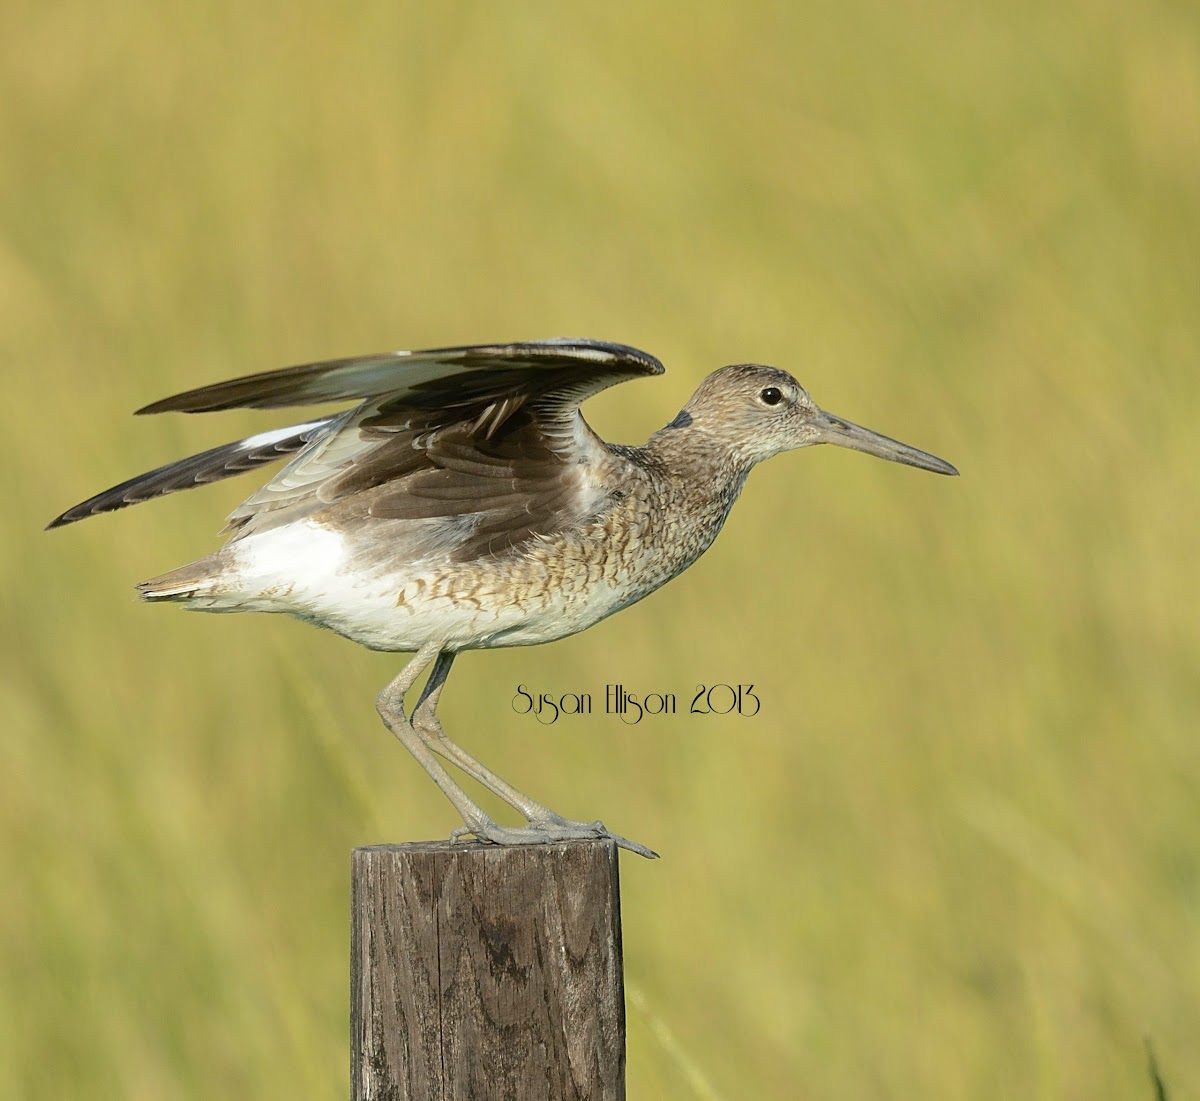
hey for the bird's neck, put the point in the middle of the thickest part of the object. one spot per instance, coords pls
(694, 481)
(703, 465)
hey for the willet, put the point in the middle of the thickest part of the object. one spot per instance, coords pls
(463, 503)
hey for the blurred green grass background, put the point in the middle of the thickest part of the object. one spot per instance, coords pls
(957, 855)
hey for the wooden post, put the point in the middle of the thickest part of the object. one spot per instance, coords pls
(481, 972)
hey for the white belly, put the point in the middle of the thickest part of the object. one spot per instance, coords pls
(307, 570)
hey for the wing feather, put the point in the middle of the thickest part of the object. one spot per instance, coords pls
(208, 466)
(403, 374)
(488, 434)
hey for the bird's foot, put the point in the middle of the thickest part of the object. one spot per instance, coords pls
(552, 822)
(540, 831)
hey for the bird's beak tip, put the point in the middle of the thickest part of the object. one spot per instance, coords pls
(853, 436)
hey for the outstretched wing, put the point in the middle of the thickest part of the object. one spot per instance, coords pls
(399, 373)
(196, 470)
(487, 434)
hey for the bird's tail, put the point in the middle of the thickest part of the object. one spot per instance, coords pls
(195, 580)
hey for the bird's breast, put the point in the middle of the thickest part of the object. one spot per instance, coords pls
(548, 588)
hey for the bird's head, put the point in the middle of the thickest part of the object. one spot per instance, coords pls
(757, 412)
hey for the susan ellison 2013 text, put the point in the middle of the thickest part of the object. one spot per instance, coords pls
(707, 699)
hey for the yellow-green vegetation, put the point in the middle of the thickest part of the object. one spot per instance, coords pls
(957, 854)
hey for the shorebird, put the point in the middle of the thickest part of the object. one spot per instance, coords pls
(463, 503)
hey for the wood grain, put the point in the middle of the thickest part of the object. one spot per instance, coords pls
(482, 972)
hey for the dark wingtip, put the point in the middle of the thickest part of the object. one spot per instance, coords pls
(198, 400)
(165, 405)
(652, 365)
(71, 516)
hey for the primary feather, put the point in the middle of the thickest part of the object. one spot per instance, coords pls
(208, 466)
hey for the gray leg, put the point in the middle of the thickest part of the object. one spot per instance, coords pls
(390, 704)
(429, 726)
(424, 733)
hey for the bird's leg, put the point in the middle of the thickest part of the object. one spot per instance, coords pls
(544, 824)
(429, 726)
(390, 704)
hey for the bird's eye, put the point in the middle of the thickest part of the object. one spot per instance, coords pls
(772, 395)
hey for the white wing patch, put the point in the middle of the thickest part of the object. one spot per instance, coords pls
(333, 450)
(265, 439)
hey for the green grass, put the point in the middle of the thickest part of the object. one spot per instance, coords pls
(957, 855)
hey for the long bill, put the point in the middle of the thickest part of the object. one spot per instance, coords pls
(831, 429)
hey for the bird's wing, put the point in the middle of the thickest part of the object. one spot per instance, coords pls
(430, 373)
(488, 437)
(490, 434)
(196, 470)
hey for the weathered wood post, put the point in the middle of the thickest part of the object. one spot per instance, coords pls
(480, 972)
